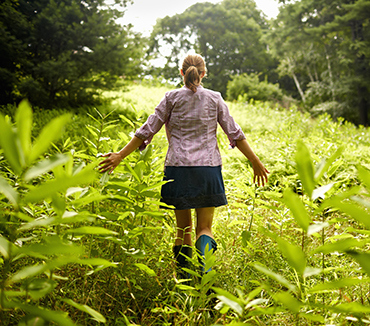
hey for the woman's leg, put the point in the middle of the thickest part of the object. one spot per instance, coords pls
(182, 249)
(204, 221)
(204, 234)
(184, 227)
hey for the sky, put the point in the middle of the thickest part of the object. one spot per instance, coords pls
(143, 14)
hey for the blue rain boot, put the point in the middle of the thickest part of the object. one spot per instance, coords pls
(201, 244)
(181, 254)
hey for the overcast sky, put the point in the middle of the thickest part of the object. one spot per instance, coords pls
(144, 13)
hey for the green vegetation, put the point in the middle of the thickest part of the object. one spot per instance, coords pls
(62, 53)
(78, 247)
(249, 87)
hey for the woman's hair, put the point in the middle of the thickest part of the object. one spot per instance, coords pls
(192, 67)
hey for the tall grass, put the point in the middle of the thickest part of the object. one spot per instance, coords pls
(78, 247)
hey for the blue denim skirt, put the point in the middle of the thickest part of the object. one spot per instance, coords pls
(193, 187)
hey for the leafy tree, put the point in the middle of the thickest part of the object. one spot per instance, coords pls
(227, 34)
(60, 52)
(324, 47)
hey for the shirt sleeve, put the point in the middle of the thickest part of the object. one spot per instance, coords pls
(228, 124)
(154, 122)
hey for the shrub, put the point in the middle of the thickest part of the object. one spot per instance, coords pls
(250, 87)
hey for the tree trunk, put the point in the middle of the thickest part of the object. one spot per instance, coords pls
(296, 81)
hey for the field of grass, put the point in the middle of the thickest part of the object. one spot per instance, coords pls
(78, 247)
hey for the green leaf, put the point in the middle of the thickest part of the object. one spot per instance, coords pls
(127, 120)
(9, 192)
(321, 191)
(325, 164)
(277, 277)
(34, 270)
(362, 258)
(341, 245)
(23, 118)
(364, 175)
(9, 142)
(132, 171)
(353, 210)
(311, 271)
(53, 245)
(29, 271)
(49, 188)
(31, 321)
(230, 300)
(6, 247)
(310, 316)
(146, 269)
(297, 208)
(51, 132)
(46, 166)
(328, 287)
(38, 288)
(59, 318)
(294, 255)
(288, 300)
(316, 227)
(305, 167)
(96, 262)
(97, 316)
(352, 308)
(92, 230)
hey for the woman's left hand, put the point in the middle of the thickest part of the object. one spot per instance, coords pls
(110, 163)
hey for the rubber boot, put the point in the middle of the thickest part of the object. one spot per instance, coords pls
(201, 244)
(181, 253)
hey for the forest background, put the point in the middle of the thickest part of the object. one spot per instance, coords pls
(80, 248)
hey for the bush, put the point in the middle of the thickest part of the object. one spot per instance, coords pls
(250, 87)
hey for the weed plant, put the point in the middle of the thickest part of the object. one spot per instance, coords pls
(79, 247)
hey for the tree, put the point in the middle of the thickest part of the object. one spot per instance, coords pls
(227, 34)
(60, 52)
(324, 47)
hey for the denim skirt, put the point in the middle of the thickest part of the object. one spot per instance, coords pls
(193, 187)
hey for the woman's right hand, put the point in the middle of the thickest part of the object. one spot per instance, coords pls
(110, 163)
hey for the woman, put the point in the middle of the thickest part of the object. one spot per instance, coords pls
(193, 160)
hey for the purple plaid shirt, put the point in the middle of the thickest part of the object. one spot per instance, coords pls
(191, 126)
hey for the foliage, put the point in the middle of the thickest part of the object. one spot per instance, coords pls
(323, 46)
(227, 34)
(293, 252)
(58, 53)
(250, 87)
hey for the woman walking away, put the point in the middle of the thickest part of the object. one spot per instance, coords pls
(190, 115)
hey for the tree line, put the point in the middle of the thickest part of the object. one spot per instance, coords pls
(315, 51)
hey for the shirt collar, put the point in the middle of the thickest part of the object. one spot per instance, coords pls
(198, 87)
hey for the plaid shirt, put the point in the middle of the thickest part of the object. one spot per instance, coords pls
(191, 126)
